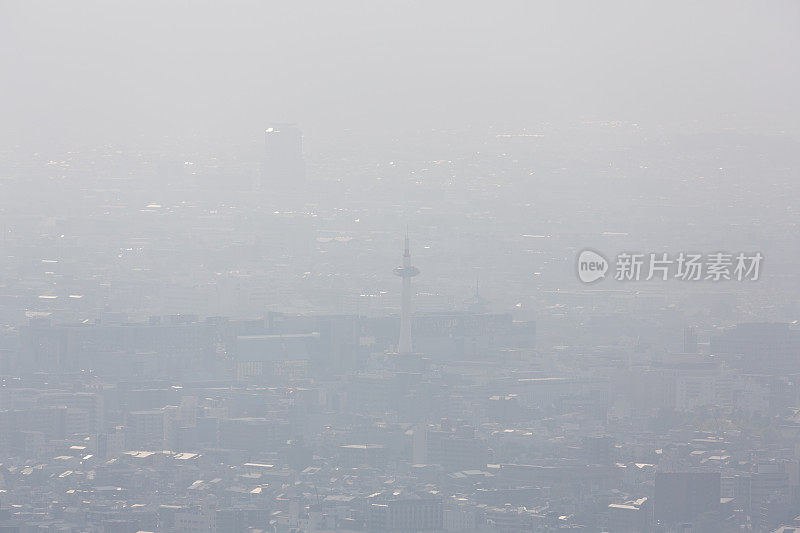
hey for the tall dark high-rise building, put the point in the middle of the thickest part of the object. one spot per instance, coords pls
(683, 496)
(283, 164)
(690, 340)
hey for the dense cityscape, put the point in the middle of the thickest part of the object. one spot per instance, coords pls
(240, 366)
(399, 267)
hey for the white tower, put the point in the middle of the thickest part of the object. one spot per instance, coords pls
(406, 271)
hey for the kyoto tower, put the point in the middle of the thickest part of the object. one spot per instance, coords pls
(406, 271)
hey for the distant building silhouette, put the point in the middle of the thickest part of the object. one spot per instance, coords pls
(759, 347)
(690, 340)
(477, 304)
(683, 496)
(283, 165)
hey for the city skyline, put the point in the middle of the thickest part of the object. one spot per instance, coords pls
(404, 267)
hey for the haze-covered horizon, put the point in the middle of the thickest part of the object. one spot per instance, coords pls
(95, 72)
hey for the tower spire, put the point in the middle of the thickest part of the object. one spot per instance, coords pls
(406, 271)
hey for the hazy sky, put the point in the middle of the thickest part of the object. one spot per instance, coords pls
(110, 70)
